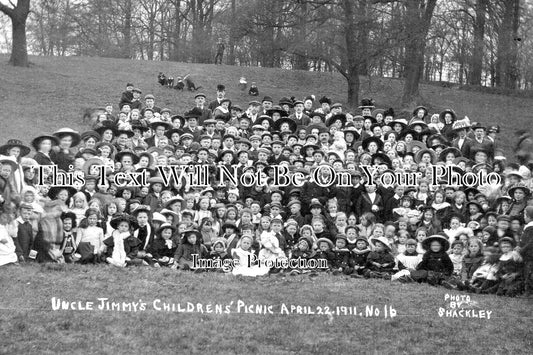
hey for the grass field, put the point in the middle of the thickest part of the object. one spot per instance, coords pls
(29, 323)
(54, 92)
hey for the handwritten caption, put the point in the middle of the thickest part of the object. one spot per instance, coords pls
(462, 306)
(234, 307)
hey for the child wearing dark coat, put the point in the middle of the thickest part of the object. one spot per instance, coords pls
(303, 250)
(189, 246)
(342, 256)
(473, 260)
(509, 269)
(122, 247)
(359, 256)
(218, 252)
(325, 252)
(436, 265)
(164, 245)
(485, 279)
(380, 262)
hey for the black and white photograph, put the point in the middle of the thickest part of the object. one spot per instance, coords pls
(266, 176)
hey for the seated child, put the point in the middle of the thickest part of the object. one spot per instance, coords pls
(246, 266)
(91, 238)
(380, 262)
(325, 247)
(473, 260)
(403, 236)
(359, 256)
(253, 91)
(407, 262)
(189, 246)
(270, 249)
(485, 279)
(164, 245)
(7, 245)
(509, 269)
(218, 252)
(304, 250)
(457, 257)
(342, 256)
(436, 265)
(122, 246)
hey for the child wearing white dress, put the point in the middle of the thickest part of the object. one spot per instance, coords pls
(243, 253)
(7, 245)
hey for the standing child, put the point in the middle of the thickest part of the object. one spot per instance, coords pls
(24, 239)
(69, 245)
(526, 251)
(91, 238)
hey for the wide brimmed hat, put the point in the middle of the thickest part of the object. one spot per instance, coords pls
(141, 208)
(382, 240)
(115, 221)
(475, 203)
(90, 134)
(451, 112)
(13, 143)
(415, 111)
(461, 124)
(187, 233)
(140, 125)
(325, 240)
(369, 140)
(262, 118)
(9, 160)
(230, 225)
(420, 153)
(173, 200)
(103, 126)
(277, 109)
(277, 124)
(65, 131)
(401, 121)
(417, 122)
(37, 140)
(321, 128)
(383, 157)
(54, 191)
(522, 187)
(338, 117)
(455, 151)
(436, 237)
(165, 226)
(366, 103)
(157, 123)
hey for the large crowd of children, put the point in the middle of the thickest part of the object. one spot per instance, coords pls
(475, 238)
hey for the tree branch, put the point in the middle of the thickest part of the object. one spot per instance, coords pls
(6, 10)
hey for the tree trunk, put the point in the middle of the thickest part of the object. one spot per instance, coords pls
(127, 30)
(232, 34)
(506, 62)
(352, 57)
(18, 15)
(476, 63)
(418, 18)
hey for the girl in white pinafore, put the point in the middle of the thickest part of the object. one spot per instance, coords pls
(243, 254)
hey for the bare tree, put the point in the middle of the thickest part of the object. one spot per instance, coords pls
(18, 14)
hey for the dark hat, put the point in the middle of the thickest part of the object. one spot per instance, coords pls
(115, 221)
(229, 225)
(277, 109)
(285, 101)
(324, 100)
(200, 95)
(325, 240)
(519, 186)
(90, 134)
(388, 112)
(277, 124)
(37, 140)
(158, 123)
(141, 208)
(415, 111)
(437, 237)
(54, 191)
(9, 160)
(140, 125)
(103, 126)
(221, 87)
(478, 125)
(334, 118)
(127, 132)
(12, 143)
(268, 99)
(455, 151)
(451, 112)
(369, 140)
(367, 103)
(507, 240)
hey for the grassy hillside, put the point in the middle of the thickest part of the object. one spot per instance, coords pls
(29, 323)
(53, 92)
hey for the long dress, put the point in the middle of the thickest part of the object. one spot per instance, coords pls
(7, 247)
